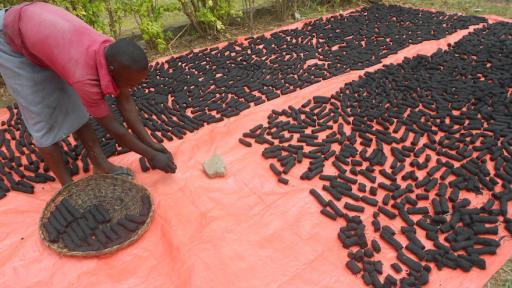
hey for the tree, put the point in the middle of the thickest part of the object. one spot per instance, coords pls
(209, 17)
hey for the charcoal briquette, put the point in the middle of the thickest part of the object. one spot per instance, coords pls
(74, 229)
(375, 246)
(328, 213)
(319, 198)
(353, 207)
(376, 225)
(368, 175)
(396, 267)
(417, 251)
(409, 262)
(128, 225)
(55, 223)
(68, 217)
(386, 212)
(373, 191)
(353, 267)
(391, 240)
(422, 223)
(482, 250)
(333, 192)
(146, 205)
(51, 232)
(369, 200)
(348, 179)
(418, 210)
(71, 208)
(283, 180)
(242, 141)
(69, 243)
(335, 208)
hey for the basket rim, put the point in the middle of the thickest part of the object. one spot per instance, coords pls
(65, 191)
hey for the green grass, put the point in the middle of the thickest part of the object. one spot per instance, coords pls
(468, 7)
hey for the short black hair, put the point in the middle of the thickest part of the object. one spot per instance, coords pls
(128, 53)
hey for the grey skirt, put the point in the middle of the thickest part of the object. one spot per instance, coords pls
(50, 107)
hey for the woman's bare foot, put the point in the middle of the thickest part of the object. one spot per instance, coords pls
(114, 170)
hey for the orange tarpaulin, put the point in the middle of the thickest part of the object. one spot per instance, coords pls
(244, 230)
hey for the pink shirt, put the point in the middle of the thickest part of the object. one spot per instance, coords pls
(53, 38)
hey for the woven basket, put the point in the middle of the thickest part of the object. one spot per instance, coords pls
(117, 194)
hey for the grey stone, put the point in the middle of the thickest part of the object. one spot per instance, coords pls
(214, 167)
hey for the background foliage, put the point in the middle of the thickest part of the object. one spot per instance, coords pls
(208, 17)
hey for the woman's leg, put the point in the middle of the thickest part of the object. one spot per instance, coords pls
(88, 138)
(53, 157)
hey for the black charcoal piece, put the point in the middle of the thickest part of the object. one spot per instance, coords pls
(245, 142)
(353, 267)
(109, 233)
(390, 281)
(102, 238)
(69, 243)
(376, 225)
(90, 220)
(417, 210)
(120, 231)
(387, 187)
(75, 228)
(328, 213)
(368, 253)
(22, 188)
(283, 180)
(321, 200)
(375, 246)
(373, 191)
(348, 179)
(98, 216)
(405, 217)
(396, 267)
(128, 225)
(386, 212)
(93, 244)
(368, 175)
(51, 232)
(334, 193)
(353, 207)
(70, 208)
(417, 251)
(143, 164)
(386, 199)
(56, 223)
(65, 214)
(422, 223)
(275, 170)
(137, 219)
(361, 187)
(409, 262)
(482, 250)
(369, 200)
(335, 208)
(58, 216)
(391, 240)
(104, 213)
(146, 205)
(387, 175)
(84, 227)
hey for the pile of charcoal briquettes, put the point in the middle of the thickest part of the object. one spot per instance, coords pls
(425, 144)
(92, 229)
